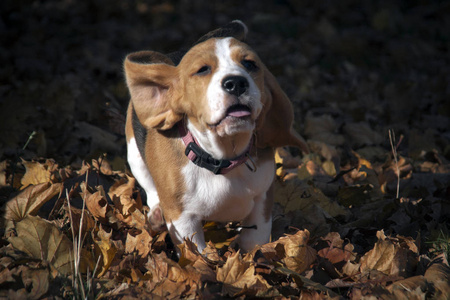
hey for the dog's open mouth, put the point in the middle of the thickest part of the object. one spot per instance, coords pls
(238, 111)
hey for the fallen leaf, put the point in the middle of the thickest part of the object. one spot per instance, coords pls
(126, 209)
(76, 216)
(35, 280)
(43, 240)
(123, 190)
(439, 275)
(30, 200)
(238, 275)
(389, 257)
(191, 256)
(336, 251)
(360, 134)
(296, 253)
(102, 240)
(139, 242)
(37, 172)
(410, 287)
(96, 203)
(170, 280)
(3, 176)
(323, 128)
(296, 194)
(284, 161)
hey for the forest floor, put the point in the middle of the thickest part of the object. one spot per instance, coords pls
(365, 215)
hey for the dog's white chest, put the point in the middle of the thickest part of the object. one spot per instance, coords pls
(227, 197)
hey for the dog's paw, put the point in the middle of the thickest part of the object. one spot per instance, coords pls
(156, 219)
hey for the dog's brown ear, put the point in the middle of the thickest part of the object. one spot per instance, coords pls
(236, 29)
(274, 125)
(151, 77)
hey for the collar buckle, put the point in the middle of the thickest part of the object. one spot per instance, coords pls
(205, 160)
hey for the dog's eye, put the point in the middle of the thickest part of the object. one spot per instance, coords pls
(250, 65)
(203, 70)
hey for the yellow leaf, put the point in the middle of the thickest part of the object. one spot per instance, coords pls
(103, 241)
(279, 160)
(329, 168)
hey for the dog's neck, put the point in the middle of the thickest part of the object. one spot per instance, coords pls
(195, 152)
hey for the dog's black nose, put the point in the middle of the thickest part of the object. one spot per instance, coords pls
(235, 85)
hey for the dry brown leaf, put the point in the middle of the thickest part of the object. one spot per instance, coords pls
(3, 167)
(311, 169)
(337, 251)
(313, 295)
(30, 200)
(322, 129)
(76, 216)
(296, 194)
(123, 190)
(238, 275)
(191, 256)
(389, 257)
(96, 203)
(212, 254)
(170, 280)
(140, 242)
(188, 253)
(126, 209)
(102, 165)
(439, 275)
(351, 269)
(293, 250)
(361, 134)
(406, 288)
(43, 240)
(299, 256)
(107, 249)
(34, 279)
(37, 173)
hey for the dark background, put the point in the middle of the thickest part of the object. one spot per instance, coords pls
(382, 63)
(353, 70)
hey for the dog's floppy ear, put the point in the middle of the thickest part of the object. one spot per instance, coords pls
(151, 77)
(274, 125)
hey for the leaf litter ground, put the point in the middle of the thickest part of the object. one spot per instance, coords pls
(74, 224)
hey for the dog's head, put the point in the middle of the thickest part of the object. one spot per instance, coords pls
(221, 87)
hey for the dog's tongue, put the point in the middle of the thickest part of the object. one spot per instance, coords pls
(239, 111)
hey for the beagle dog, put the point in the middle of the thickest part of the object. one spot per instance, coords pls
(201, 130)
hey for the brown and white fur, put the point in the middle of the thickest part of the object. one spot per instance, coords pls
(222, 120)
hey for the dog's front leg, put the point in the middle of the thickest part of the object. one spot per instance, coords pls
(187, 226)
(258, 224)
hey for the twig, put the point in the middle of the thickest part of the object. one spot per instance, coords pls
(394, 153)
(18, 153)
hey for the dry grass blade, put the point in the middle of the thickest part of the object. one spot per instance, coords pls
(394, 153)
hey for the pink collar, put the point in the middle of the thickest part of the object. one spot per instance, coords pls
(204, 160)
